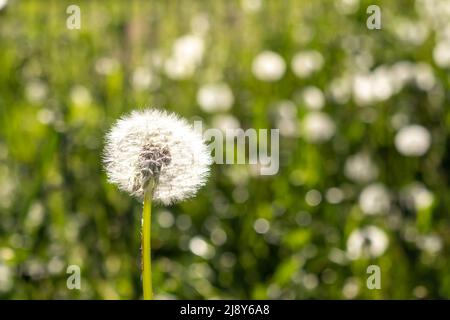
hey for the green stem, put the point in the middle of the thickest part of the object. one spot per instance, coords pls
(146, 245)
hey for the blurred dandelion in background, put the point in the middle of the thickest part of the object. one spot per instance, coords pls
(268, 66)
(215, 97)
(413, 140)
(368, 242)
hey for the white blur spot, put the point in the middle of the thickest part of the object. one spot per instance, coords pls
(268, 66)
(441, 54)
(166, 219)
(360, 168)
(368, 242)
(374, 199)
(334, 195)
(318, 127)
(261, 226)
(313, 98)
(413, 140)
(215, 97)
(305, 63)
(313, 198)
(201, 248)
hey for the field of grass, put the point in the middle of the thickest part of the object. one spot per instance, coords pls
(364, 134)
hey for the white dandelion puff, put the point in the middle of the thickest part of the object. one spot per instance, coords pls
(313, 98)
(416, 196)
(187, 55)
(155, 145)
(268, 66)
(360, 168)
(214, 97)
(251, 5)
(36, 91)
(105, 66)
(367, 242)
(374, 199)
(413, 140)
(6, 278)
(80, 96)
(431, 244)
(225, 122)
(3, 4)
(189, 47)
(318, 127)
(144, 79)
(305, 63)
(441, 54)
(286, 118)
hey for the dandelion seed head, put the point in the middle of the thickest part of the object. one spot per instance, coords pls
(153, 145)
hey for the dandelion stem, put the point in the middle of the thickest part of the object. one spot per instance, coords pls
(146, 245)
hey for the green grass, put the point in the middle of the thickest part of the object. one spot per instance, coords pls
(57, 209)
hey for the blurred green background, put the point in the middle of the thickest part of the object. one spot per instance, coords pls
(364, 167)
